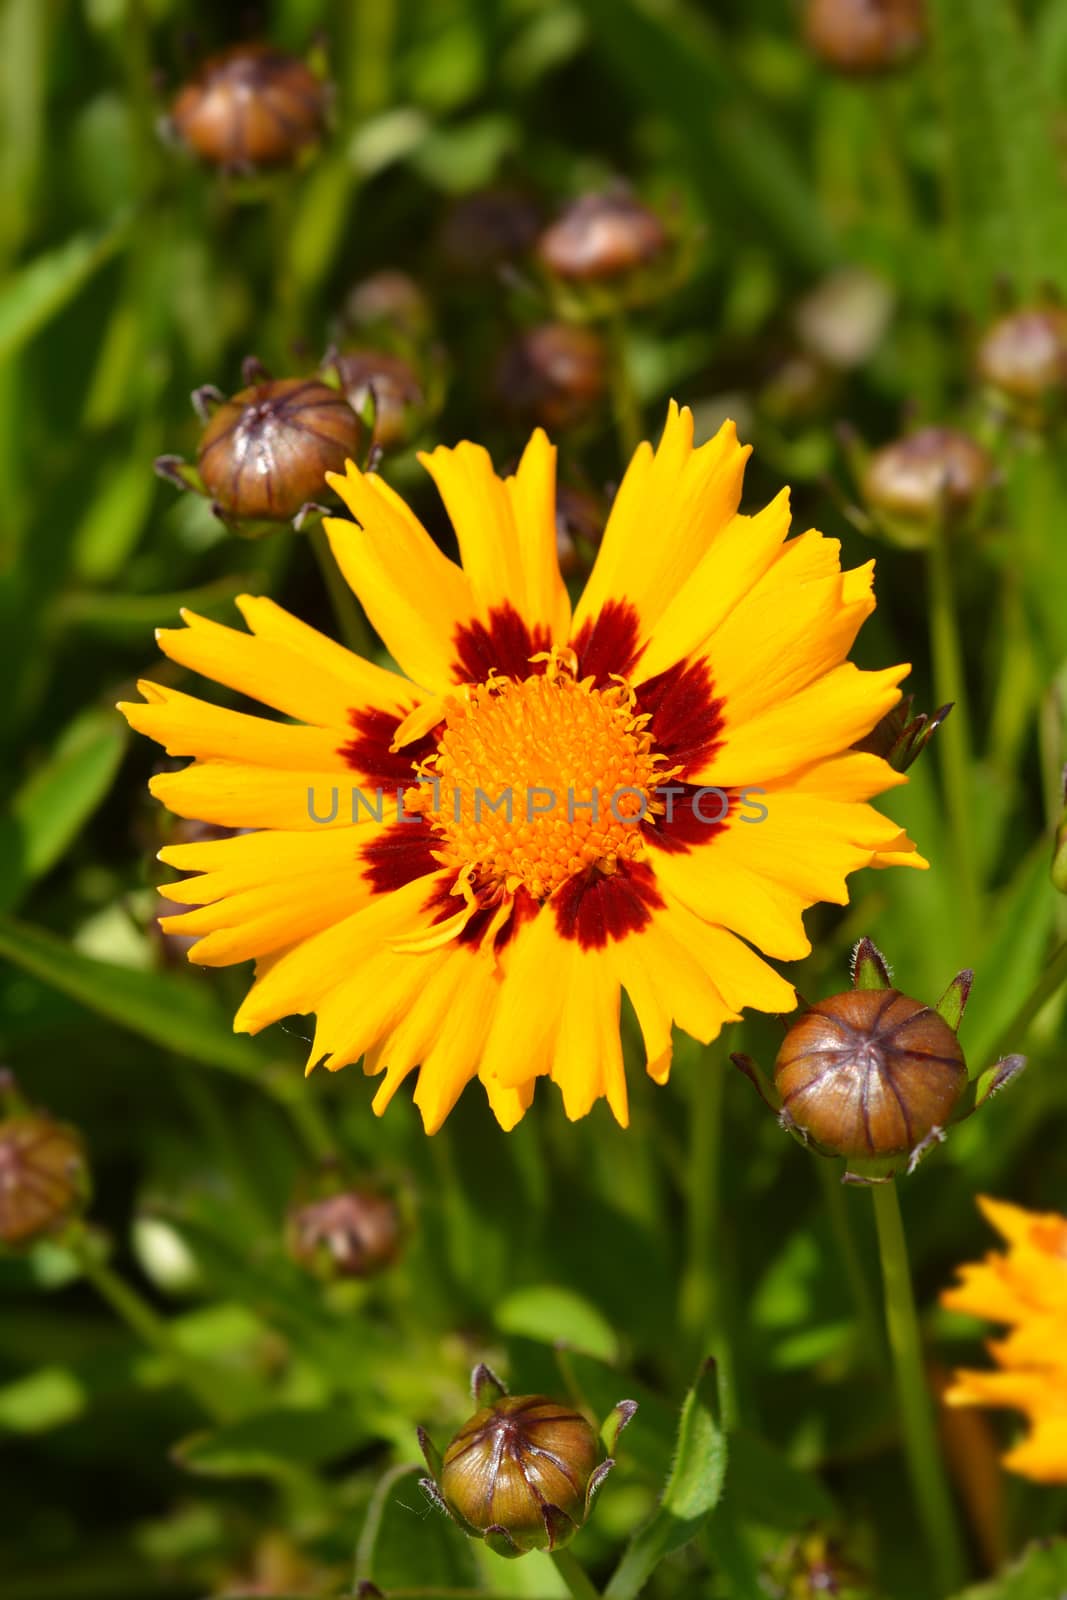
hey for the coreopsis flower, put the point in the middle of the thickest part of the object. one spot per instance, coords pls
(1025, 1290)
(460, 865)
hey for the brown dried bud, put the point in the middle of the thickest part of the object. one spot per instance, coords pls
(250, 106)
(870, 1073)
(393, 385)
(554, 375)
(44, 1178)
(483, 230)
(935, 474)
(602, 236)
(514, 1458)
(389, 299)
(265, 453)
(1024, 354)
(354, 1234)
(865, 36)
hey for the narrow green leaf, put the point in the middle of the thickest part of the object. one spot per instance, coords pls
(692, 1491)
(1041, 1574)
(172, 1012)
(57, 800)
(1008, 197)
(41, 289)
(273, 1442)
(407, 1542)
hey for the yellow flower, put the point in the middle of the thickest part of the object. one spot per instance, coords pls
(457, 933)
(1025, 1288)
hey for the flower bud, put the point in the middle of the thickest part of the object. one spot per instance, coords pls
(389, 301)
(266, 451)
(843, 319)
(1024, 356)
(874, 1075)
(353, 1234)
(602, 236)
(250, 106)
(934, 476)
(865, 36)
(487, 229)
(900, 738)
(522, 1472)
(385, 387)
(44, 1177)
(554, 375)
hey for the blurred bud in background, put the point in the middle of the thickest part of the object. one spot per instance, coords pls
(817, 1564)
(344, 1230)
(44, 1174)
(935, 477)
(523, 1470)
(844, 318)
(608, 251)
(390, 305)
(865, 36)
(487, 230)
(264, 452)
(385, 392)
(1023, 360)
(554, 375)
(250, 107)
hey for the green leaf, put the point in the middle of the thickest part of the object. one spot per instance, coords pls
(692, 1491)
(1041, 1574)
(407, 1542)
(766, 1488)
(171, 1012)
(273, 1442)
(44, 286)
(41, 1400)
(55, 802)
(1009, 201)
(552, 1314)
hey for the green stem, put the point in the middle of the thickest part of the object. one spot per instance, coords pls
(353, 625)
(871, 1342)
(373, 28)
(954, 738)
(297, 1099)
(702, 1311)
(574, 1576)
(150, 1328)
(933, 1497)
(628, 424)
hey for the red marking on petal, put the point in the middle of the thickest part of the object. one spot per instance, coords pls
(594, 907)
(503, 643)
(369, 753)
(687, 821)
(403, 853)
(607, 643)
(686, 718)
(444, 904)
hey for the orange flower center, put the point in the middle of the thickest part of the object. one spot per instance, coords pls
(537, 779)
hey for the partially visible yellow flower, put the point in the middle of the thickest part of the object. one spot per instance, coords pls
(567, 796)
(1025, 1288)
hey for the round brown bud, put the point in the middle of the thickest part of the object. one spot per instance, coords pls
(937, 472)
(354, 1234)
(44, 1179)
(555, 375)
(513, 1459)
(1025, 354)
(396, 389)
(265, 452)
(870, 1073)
(483, 230)
(865, 35)
(602, 236)
(389, 299)
(250, 106)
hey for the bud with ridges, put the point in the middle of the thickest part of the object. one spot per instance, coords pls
(608, 251)
(352, 1232)
(936, 477)
(1023, 359)
(875, 1076)
(523, 1470)
(44, 1175)
(250, 107)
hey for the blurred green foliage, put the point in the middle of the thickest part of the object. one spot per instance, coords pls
(130, 275)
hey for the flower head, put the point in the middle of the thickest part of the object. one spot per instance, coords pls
(1024, 1288)
(521, 1473)
(461, 865)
